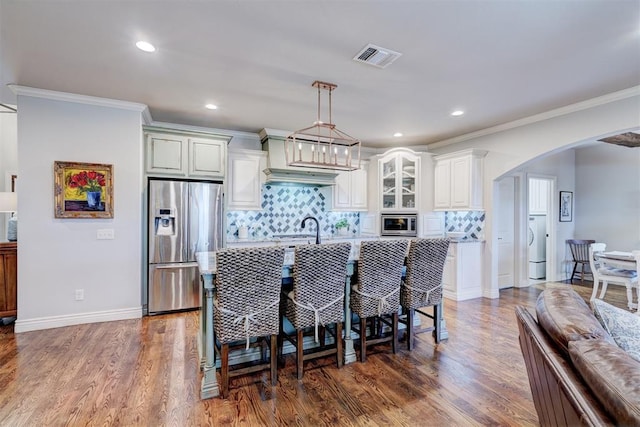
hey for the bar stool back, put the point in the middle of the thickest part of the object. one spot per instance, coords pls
(248, 283)
(317, 299)
(376, 293)
(422, 286)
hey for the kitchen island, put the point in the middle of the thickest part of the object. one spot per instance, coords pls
(206, 264)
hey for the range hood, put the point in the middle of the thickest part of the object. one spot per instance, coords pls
(278, 172)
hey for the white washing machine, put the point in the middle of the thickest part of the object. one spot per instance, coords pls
(537, 246)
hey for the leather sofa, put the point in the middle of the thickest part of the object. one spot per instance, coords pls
(577, 373)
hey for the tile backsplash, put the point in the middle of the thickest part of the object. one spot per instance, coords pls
(471, 222)
(284, 206)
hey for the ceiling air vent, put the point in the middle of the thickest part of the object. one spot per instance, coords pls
(376, 56)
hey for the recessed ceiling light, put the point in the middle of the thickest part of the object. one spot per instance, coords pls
(397, 134)
(145, 46)
(211, 106)
(457, 113)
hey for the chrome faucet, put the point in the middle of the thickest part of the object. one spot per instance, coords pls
(317, 226)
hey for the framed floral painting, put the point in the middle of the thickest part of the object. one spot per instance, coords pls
(83, 190)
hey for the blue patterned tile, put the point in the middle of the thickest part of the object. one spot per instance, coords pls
(471, 222)
(283, 208)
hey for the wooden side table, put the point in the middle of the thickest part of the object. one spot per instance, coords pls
(8, 279)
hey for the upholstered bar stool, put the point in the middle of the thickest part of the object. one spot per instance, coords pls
(246, 306)
(376, 293)
(317, 300)
(422, 285)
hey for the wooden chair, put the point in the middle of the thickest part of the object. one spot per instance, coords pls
(422, 286)
(580, 254)
(248, 283)
(317, 300)
(607, 275)
(376, 293)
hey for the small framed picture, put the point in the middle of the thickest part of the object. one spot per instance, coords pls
(83, 190)
(566, 206)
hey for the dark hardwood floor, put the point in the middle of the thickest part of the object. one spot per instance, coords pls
(145, 373)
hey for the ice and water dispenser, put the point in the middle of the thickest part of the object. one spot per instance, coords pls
(165, 222)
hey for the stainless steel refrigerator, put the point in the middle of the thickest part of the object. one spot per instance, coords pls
(185, 217)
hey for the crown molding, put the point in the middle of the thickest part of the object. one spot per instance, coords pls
(579, 106)
(78, 99)
(190, 128)
(146, 116)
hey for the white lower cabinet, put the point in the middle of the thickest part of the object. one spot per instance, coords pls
(462, 278)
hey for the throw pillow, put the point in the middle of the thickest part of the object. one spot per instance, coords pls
(622, 325)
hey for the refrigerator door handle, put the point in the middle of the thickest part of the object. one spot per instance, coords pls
(176, 265)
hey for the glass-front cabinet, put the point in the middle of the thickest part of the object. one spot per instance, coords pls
(399, 173)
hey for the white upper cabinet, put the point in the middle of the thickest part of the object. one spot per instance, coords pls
(185, 154)
(458, 179)
(399, 175)
(400, 180)
(207, 157)
(166, 154)
(350, 190)
(538, 196)
(245, 179)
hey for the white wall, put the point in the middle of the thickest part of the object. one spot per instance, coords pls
(607, 200)
(58, 256)
(511, 148)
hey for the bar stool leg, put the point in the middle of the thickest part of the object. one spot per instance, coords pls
(338, 338)
(321, 335)
(410, 313)
(299, 354)
(363, 339)
(394, 332)
(274, 359)
(224, 371)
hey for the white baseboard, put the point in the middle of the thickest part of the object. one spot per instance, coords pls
(464, 295)
(39, 323)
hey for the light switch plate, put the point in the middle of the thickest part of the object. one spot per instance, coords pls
(105, 234)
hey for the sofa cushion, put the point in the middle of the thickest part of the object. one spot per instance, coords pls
(612, 375)
(622, 325)
(564, 315)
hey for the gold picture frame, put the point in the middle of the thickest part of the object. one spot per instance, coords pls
(83, 190)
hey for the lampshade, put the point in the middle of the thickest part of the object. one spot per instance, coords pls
(8, 202)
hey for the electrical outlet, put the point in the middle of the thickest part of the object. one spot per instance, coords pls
(79, 294)
(105, 234)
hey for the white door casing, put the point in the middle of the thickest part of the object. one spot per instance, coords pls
(506, 232)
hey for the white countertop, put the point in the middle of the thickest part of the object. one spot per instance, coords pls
(467, 241)
(207, 260)
(303, 239)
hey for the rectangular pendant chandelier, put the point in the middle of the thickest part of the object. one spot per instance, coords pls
(322, 145)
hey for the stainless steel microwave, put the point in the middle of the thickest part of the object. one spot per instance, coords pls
(399, 225)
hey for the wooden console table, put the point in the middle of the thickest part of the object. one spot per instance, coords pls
(8, 279)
